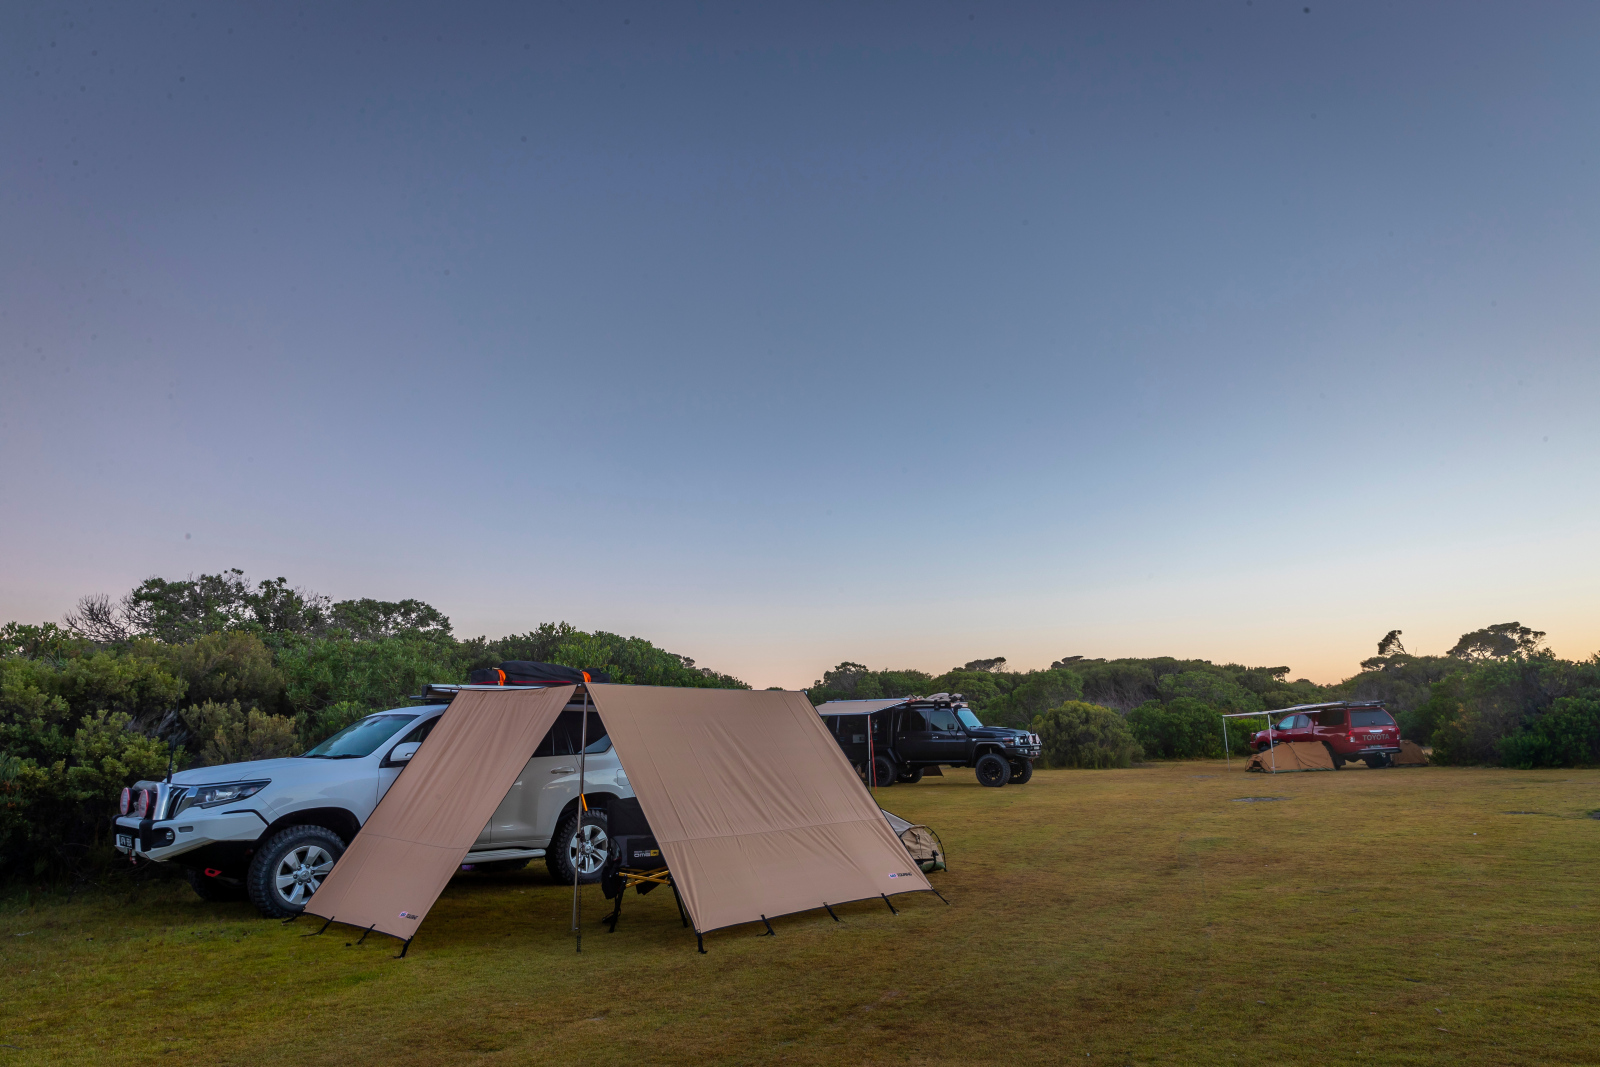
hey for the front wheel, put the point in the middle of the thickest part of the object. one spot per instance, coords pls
(993, 771)
(1021, 771)
(290, 868)
(581, 849)
(911, 777)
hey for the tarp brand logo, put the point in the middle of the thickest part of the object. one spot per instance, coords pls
(407, 915)
(899, 874)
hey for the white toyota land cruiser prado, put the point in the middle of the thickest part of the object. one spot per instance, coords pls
(273, 829)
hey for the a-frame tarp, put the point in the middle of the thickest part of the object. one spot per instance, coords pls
(421, 830)
(756, 808)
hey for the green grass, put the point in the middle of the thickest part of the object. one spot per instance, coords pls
(1140, 916)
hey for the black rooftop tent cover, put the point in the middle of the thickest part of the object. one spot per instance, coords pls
(527, 672)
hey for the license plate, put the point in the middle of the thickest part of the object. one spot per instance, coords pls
(125, 842)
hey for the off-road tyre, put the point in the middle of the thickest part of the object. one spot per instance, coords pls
(911, 777)
(885, 772)
(291, 861)
(1021, 771)
(992, 770)
(1338, 760)
(214, 890)
(1378, 761)
(557, 857)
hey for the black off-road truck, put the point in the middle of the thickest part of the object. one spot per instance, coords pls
(900, 740)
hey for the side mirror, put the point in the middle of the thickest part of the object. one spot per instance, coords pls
(403, 753)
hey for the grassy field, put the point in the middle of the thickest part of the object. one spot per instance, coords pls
(1123, 917)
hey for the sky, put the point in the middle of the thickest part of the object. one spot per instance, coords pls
(904, 334)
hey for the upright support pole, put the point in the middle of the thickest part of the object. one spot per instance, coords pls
(1272, 748)
(872, 764)
(1226, 753)
(583, 808)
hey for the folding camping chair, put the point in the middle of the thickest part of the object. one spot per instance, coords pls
(633, 860)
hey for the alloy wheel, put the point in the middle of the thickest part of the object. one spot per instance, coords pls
(301, 871)
(587, 849)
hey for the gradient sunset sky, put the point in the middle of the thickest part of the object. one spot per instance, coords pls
(898, 333)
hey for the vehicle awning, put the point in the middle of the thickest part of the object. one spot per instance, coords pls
(858, 707)
(389, 877)
(756, 808)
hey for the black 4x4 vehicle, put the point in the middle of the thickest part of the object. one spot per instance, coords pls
(913, 736)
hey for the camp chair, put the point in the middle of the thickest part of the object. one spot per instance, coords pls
(926, 850)
(633, 860)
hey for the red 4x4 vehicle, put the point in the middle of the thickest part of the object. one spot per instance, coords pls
(1350, 731)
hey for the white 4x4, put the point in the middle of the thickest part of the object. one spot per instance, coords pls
(272, 829)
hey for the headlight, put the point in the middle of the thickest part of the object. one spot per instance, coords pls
(206, 796)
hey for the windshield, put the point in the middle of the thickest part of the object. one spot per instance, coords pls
(360, 738)
(968, 719)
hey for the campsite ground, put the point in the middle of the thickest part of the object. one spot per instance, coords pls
(1139, 916)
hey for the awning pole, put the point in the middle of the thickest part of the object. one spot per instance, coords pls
(872, 767)
(583, 809)
(1271, 747)
(1225, 753)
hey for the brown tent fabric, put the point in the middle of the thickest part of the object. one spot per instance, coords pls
(753, 803)
(1291, 756)
(421, 830)
(1410, 755)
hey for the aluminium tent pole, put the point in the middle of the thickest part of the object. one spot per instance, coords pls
(583, 809)
(1225, 753)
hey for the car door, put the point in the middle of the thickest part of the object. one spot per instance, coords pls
(527, 817)
(913, 740)
(948, 741)
(1329, 728)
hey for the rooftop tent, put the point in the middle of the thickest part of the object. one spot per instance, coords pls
(399, 863)
(527, 672)
(756, 809)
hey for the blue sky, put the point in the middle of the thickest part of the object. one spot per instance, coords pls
(906, 334)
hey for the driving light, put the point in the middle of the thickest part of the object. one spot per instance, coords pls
(127, 800)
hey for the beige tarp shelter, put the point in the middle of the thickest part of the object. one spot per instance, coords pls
(421, 830)
(756, 809)
(1410, 755)
(1291, 756)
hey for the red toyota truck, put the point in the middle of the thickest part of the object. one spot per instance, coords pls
(1350, 730)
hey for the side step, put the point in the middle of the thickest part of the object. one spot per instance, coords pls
(492, 854)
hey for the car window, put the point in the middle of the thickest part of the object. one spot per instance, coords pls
(421, 733)
(1331, 718)
(564, 737)
(914, 721)
(360, 738)
(966, 716)
(1370, 718)
(943, 721)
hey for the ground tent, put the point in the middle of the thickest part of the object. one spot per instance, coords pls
(1291, 756)
(1410, 755)
(756, 809)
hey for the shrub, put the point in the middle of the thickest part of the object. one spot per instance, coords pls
(1077, 734)
(232, 734)
(1183, 728)
(1566, 735)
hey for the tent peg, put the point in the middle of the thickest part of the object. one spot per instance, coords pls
(404, 948)
(700, 942)
(324, 927)
(831, 915)
(938, 894)
(364, 935)
(886, 900)
(770, 931)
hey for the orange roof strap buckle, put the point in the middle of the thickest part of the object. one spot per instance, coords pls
(586, 678)
(502, 675)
